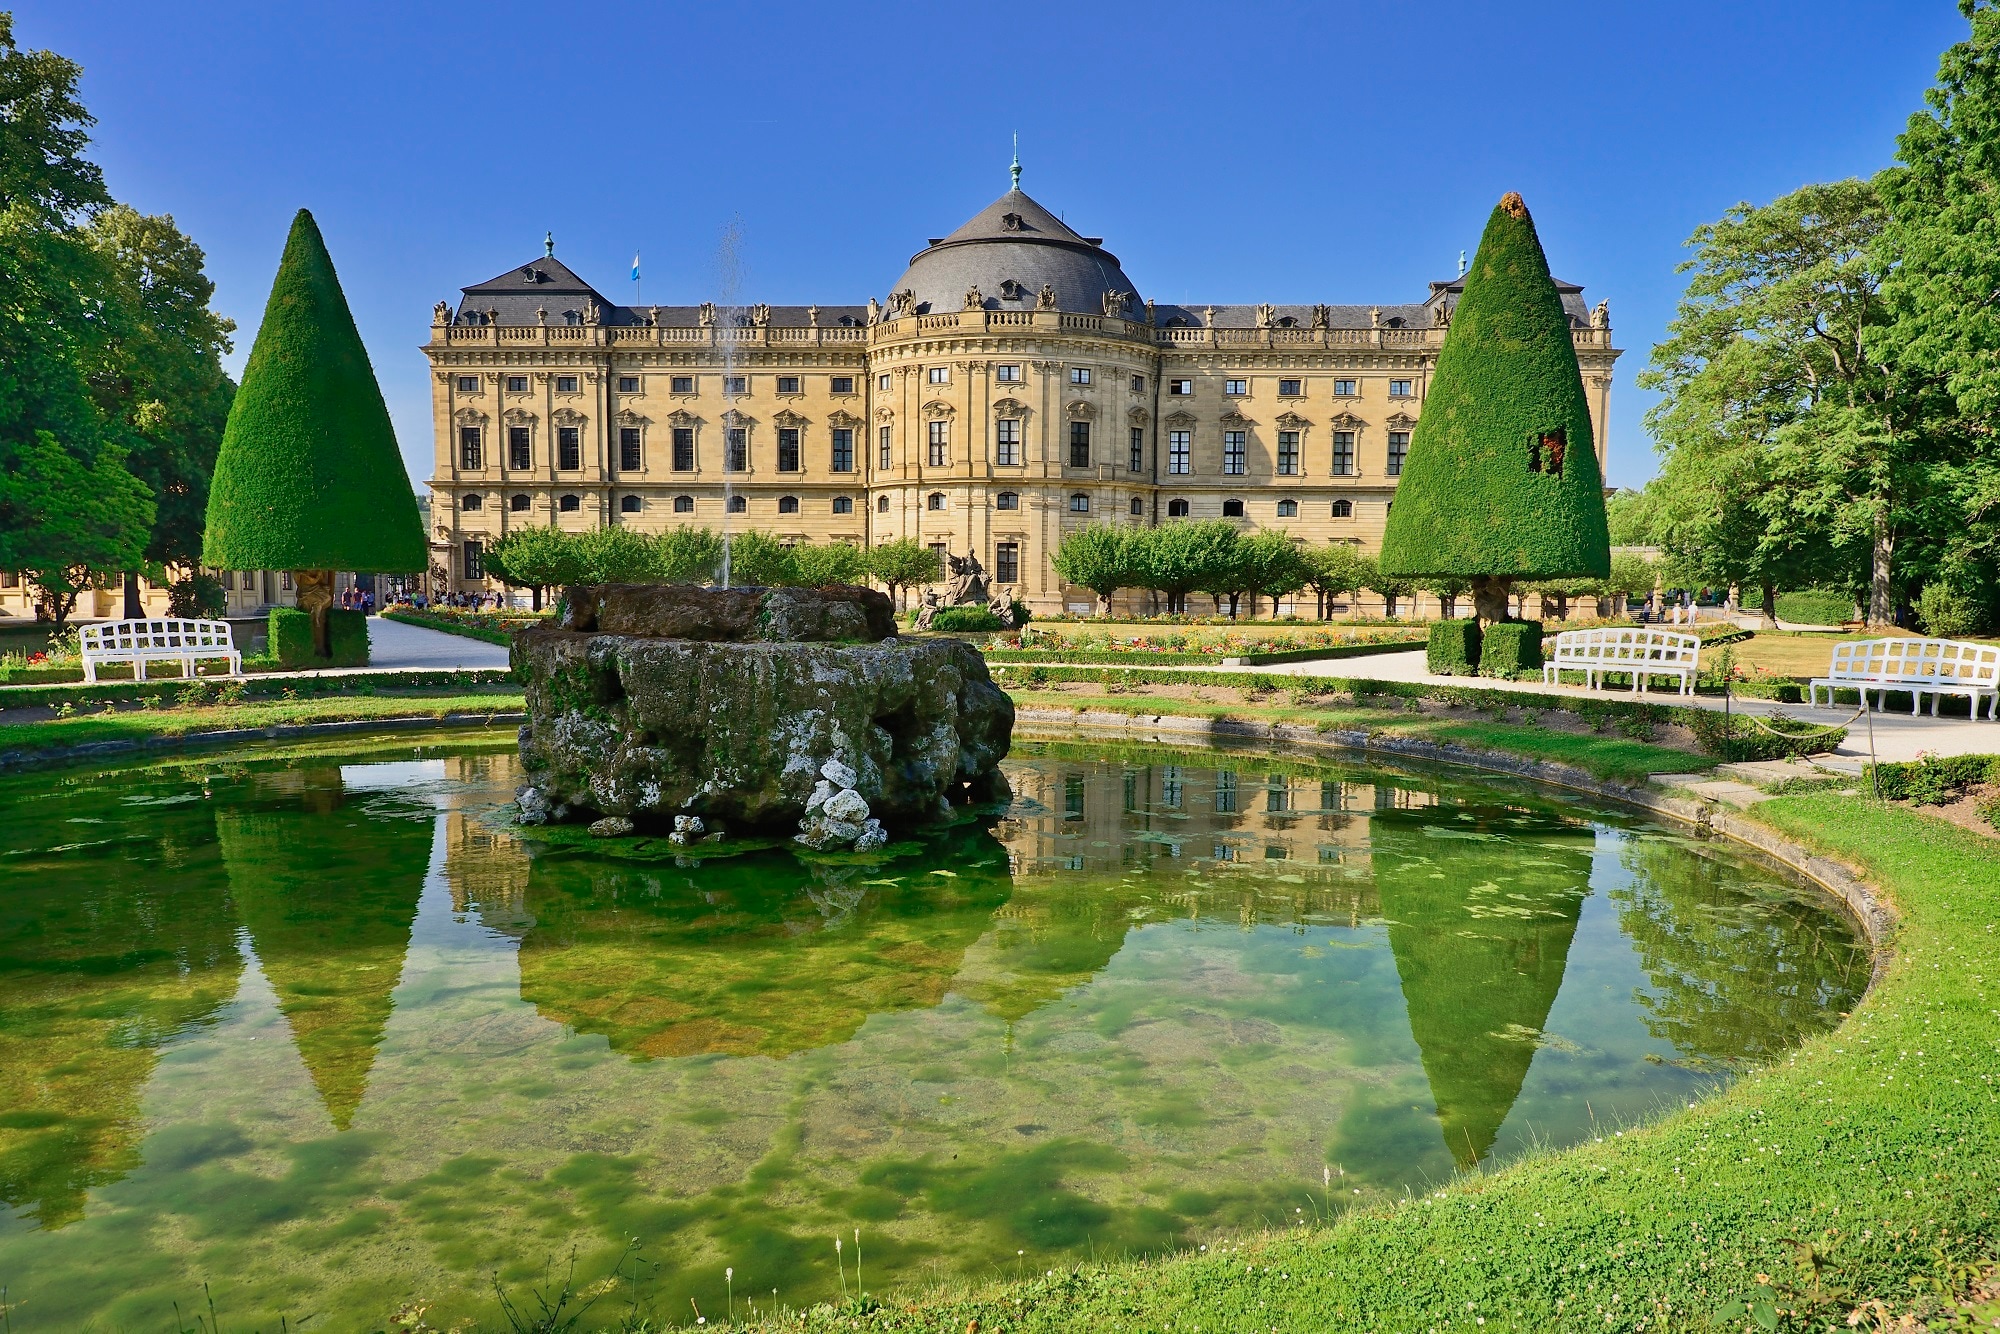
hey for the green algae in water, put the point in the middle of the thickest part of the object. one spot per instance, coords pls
(322, 1029)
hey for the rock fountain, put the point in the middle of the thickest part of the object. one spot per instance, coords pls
(692, 711)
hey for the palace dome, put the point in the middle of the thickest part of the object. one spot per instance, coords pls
(1010, 250)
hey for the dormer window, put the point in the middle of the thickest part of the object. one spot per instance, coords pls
(1011, 221)
(1012, 290)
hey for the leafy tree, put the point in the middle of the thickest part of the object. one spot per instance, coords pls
(687, 555)
(1447, 589)
(616, 554)
(536, 559)
(197, 596)
(757, 559)
(1505, 434)
(818, 564)
(1177, 557)
(1098, 558)
(1632, 517)
(1224, 572)
(902, 563)
(1337, 571)
(299, 482)
(161, 378)
(1274, 567)
(68, 518)
(1391, 588)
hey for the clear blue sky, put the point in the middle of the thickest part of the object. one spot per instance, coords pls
(1240, 152)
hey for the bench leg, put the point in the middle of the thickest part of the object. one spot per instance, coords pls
(138, 669)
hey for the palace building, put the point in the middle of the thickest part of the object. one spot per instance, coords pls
(1015, 386)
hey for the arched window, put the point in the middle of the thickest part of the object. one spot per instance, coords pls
(1177, 509)
(569, 504)
(1288, 509)
(1343, 509)
(1138, 508)
(683, 504)
(1232, 509)
(738, 505)
(881, 504)
(788, 504)
(935, 501)
(472, 502)
(1007, 500)
(518, 502)
(1079, 503)
(630, 504)
(843, 504)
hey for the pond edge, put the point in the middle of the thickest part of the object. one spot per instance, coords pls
(16, 760)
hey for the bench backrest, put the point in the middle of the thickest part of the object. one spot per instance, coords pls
(171, 636)
(1613, 645)
(1916, 661)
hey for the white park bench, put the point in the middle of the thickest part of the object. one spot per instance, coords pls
(141, 642)
(1923, 667)
(1641, 652)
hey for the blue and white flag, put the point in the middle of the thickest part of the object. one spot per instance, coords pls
(635, 266)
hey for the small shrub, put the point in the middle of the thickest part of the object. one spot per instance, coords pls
(1947, 613)
(292, 644)
(1936, 780)
(965, 620)
(1989, 810)
(1816, 606)
(1510, 647)
(1453, 648)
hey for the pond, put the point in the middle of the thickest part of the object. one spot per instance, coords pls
(323, 1030)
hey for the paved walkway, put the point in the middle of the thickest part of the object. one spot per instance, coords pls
(393, 646)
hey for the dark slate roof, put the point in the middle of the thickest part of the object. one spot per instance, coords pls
(1009, 250)
(1293, 316)
(1572, 298)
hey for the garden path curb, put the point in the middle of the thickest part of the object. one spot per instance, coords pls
(33, 759)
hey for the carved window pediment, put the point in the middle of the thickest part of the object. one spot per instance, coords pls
(1291, 421)
(682, 417)
(844, 420)
(627, 417)
(937, 407)
(569, 417)
(1137, 416)
(1347, 421)
(786, 417)
(733, 418)
(1081, 410)
(1236, 420)
(1182, 418)
(1010, 407)
(469, 416)
(520, 417)
(1401, 421)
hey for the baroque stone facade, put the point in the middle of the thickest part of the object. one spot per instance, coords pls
(1013, 387)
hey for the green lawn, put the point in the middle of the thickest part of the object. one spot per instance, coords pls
(1615, 758)
(1861, 1167)
(132, 724)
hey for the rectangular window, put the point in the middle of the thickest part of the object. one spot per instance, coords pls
(1007, 374)
(517, 384)
(842, 384)
(684, 449)
(1180, 388)
(1399, 449)
(683, 384)
(565, 384)
(885, 453)
(628, 384)
(1236, 387)
(1343, 389)
(474, 561)
(843, 449)
(939, 375)
(1007, 442)
(1232, 453)
(1137, 463)
(1079, 444)
(1288, 453)
(882, 383)
(1138, 384)
(1007, 563)
(1399, 388)
(1343, 453)
(520, 448)
(285, 580)
(629, 457)
(735, 384)
(1290, 388)
(228, 581)
(1079, 375)
(738, 450)
(569, 448)
(788, 449)
(1178, 443)
(940, 444)
(469, 452)
(788, 384)
(468, 384)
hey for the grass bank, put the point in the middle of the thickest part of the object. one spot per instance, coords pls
(1855, 1175)
(491, 627)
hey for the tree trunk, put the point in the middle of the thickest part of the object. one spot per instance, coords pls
(1767, 615)
(134, 608)
(1490, 593)
(315, 597)
(538, 597)
(1881, 607)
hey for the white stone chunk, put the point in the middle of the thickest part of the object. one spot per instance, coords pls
(847, 805)
(840, 775)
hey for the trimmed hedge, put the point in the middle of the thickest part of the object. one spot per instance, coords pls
(1509, 648)
(1719, 734)
(1453, 649)
(175, 690)
(966, 620)
(1936, 781)
(1505, 434)
(1816, 606)
(1145, 658)
(292, 639)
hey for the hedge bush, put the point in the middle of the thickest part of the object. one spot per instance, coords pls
(292, 639)
(1511, 647)
(1935, 781)
(1816, 606)
(1947, 613)
(966, 620)
(1453, 649)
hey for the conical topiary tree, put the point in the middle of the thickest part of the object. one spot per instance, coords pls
(1502, 480)
(309, 478)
